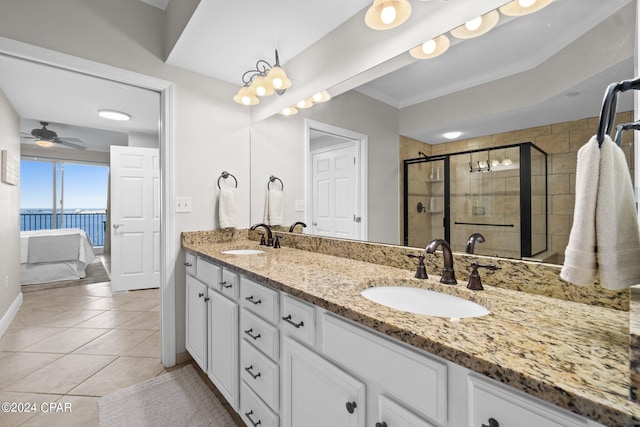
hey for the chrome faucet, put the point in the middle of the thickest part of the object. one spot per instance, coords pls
(269, 241)
(471, 243)
(297, 223)
(448, 274)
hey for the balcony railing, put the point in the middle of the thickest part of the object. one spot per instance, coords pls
(92, 223)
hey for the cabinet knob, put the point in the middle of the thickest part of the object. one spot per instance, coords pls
(492, 423)
(206, 299)
(351, 406)
(382, 424)
(200, 295)
(248, 415)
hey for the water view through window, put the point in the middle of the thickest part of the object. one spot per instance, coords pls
(64, 195)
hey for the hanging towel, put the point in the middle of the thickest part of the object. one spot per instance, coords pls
(580, 265)
(228, 208)
(605, 241)
(274, 208)
(617, 235)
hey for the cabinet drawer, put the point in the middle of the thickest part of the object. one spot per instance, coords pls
(259, 300)
(208, 273)
(510, 407)
(261, 374)
(394, 414)
(253, 411)
(190, 263)
(230, 284)
(416, 380)
(298, 319)
(259, 333)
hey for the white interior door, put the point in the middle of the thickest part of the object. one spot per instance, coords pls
(135, 216)
(335, 191)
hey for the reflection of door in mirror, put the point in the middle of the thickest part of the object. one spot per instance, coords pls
(335, 194)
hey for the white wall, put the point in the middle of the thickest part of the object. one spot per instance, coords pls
(141, 139)
(277, 148)
(211, 131)
(9, 213)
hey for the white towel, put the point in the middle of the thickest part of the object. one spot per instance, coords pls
(228, 208)
(604, 239)
(274, 207)
(617, 235)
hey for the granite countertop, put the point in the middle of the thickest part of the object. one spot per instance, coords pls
(571, 354)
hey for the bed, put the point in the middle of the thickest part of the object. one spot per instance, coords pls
(54, 255)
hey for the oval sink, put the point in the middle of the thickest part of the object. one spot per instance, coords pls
(243, 252)
(423, 301)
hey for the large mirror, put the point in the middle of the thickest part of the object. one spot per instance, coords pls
(539, 78)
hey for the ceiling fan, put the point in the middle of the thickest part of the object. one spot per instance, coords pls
(47, 138)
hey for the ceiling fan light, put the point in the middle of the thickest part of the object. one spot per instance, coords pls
(246, 96)
(114, 115)
(469, 30)
(387, 14)
(441, 44)
(44, 143)
(523, 7)
(322, 96)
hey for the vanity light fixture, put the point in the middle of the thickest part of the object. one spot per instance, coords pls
(523, 7)
(387, 14)
(289, 111)
(477, 27)
(264, 80)
(452, 135)
(114, 115)
(305, 103)
(431, 48)
(322, 96)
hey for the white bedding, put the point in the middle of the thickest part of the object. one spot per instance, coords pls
(56, 259)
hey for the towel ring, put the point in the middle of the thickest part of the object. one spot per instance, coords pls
(274, 178)
(226, 175)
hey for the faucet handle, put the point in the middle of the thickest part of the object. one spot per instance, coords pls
(475, 283)
(262, 241)
(276, 242)
(421, 271)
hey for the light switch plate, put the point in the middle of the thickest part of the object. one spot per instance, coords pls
(299, 206)
(183, 204)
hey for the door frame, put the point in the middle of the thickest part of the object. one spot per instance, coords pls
(168, 247)
(362, 146)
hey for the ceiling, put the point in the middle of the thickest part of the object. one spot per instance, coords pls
(223, 39)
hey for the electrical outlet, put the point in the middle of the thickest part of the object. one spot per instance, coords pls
(299, 206)
(183, 204)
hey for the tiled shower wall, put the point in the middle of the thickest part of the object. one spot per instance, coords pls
(561, 141)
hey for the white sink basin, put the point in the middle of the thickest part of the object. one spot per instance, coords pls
(423, 301)
(243, 252)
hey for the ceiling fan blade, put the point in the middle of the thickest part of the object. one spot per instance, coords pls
(69, 144)
(26, 135)
(64, 138)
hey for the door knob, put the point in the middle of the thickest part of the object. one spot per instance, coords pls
(116, 226)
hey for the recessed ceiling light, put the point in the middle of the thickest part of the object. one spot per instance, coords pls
(452, 135)
(114, 115)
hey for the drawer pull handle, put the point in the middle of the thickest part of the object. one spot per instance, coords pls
(249, 370)
(289, 321)
(351, 406)
(492, 423)
(188, 264)
(224, 285)
(248, 415)
(252, 301)
(382, 424)
(249, 332)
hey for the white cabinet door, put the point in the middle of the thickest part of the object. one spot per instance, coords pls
(317, 393)
(223, 346)
(196, 319)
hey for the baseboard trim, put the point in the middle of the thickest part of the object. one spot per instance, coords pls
(10, 314)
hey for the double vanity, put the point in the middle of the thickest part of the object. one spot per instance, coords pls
(294, 337)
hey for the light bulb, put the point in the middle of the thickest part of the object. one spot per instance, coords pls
(474, 24)
(260, 90)
(246, 100)
(277, 82)
(388, 15)
(526, 3)
(429, 47)
(317, 97)
(286, 111)
(301, 103)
